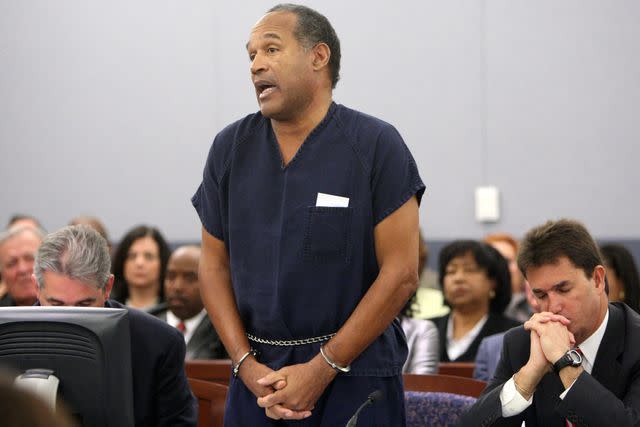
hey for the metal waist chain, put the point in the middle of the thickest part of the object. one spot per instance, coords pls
(284, 343)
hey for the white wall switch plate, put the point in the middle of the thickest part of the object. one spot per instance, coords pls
(487, 204)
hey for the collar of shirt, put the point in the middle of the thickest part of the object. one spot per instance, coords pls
(455, 348)
(127, 302)
(590, 346)
(190, 324)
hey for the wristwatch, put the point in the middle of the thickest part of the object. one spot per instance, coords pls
(570, 358)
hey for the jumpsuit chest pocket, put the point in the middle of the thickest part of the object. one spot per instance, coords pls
(327, 235)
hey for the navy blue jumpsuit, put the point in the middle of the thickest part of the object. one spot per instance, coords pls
(298, 270)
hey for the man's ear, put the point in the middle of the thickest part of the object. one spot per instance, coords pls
(321, 56)
(599, 278)
(34, 281)
(108, 286)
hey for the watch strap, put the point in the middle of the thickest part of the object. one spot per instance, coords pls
(572, 357)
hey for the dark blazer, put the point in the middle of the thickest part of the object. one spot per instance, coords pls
(7, 301)
(610, 396)
(161, 393)
(204, 343)
(496, 323)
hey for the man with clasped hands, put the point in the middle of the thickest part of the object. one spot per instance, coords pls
(577, 362)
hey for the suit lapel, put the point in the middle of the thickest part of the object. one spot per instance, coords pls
(200, 337)
(473, 346)
(442, 335)
(490, 327)
(606, 367)
(545, 400)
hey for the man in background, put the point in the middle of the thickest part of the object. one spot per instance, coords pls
(21, 219)
(18, 246)
(94, 223)
(522, 304)
(184, 310)
(548, 373)
(72, 268)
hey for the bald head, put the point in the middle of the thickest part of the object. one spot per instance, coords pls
(191, 252)
(181, 284)
(92, 222)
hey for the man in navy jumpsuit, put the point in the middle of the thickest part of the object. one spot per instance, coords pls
(309, 217)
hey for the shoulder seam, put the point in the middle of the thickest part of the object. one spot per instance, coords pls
(351, 142)
(234, 147)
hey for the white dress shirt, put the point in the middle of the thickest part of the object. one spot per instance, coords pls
(190, 325)
(455, 348)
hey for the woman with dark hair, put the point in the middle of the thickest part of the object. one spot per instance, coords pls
(622, 275)
(139, 266)
(476, 283)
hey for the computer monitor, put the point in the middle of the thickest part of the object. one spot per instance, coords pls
(88, 350)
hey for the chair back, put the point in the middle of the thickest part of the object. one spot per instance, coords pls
(211, 402)
(444, 383)
(435, 409)
(458, 369)
(217, 370)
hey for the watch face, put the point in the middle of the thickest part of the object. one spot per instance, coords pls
(574, 357)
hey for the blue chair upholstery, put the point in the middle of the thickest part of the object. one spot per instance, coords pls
(435, 409)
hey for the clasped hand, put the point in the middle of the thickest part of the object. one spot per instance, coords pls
(550, 338)
(293, 391)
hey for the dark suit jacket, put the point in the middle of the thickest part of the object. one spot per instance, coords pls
(7, 301)
(204, 343)
(161, 393)
(495, 323)
(610, 396)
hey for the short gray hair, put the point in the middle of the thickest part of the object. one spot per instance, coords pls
(76, 251)
(12, 232)
(16, 231)
(313, 28)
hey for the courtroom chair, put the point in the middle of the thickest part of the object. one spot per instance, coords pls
(444, 383)
(435, 409)
(458, 369)
(218, 371)
(211, 401)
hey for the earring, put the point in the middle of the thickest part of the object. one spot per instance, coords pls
(492, 294)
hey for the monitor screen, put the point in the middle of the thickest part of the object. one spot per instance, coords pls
(88, 350)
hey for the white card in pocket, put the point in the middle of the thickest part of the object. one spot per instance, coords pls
(331, 201)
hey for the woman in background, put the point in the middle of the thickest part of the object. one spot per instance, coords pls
(422, 335)
(522, 304)
(476, 282)
(422, 342)
(622, 275)
(139, 266)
